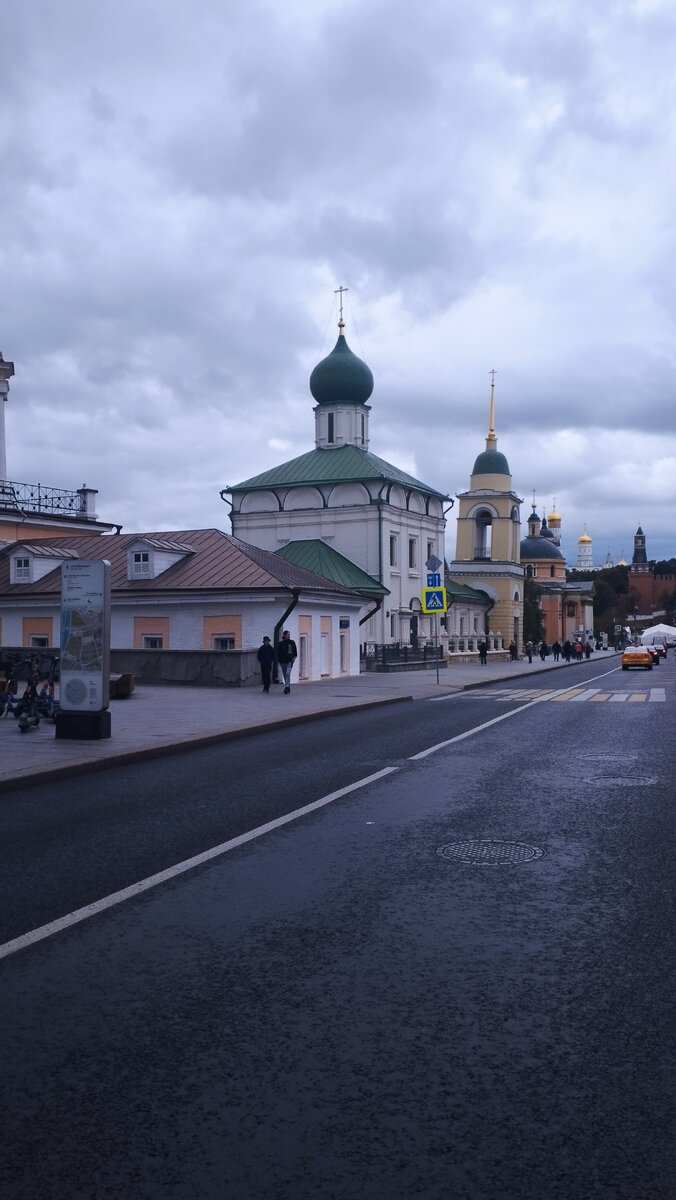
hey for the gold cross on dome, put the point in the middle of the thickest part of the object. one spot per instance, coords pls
(339, 292)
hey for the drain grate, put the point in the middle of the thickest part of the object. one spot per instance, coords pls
(486, 853)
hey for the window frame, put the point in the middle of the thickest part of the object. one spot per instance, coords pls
(22, 568)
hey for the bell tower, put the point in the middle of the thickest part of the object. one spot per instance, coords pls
(487, 549)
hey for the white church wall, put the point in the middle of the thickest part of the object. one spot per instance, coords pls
(345, 494)
(300, 498)
(255, 502)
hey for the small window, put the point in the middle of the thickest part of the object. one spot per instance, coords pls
(394, 550)
(330, 436)
(344, 622)
(22, 570)
(38, 642)
(152, 641)
(140, 563)
(412, 553)
(430, 550)
(223, 641)
(552, 571)
(363, 429)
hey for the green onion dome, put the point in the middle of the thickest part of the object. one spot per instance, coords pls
(341, 377)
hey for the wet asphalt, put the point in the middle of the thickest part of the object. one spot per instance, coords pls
(344, 1007)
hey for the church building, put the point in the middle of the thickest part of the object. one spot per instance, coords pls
(346, 511)
(488, 535)
(567, 608)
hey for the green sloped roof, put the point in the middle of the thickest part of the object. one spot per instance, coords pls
(463, 591)
(314, 555)
(344, 465)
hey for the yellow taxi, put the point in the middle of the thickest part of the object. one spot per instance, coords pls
(637, 656)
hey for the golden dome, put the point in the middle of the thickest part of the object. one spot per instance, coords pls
(553, 516)
(584, 540)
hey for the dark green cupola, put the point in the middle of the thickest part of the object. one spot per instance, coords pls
(341, 378)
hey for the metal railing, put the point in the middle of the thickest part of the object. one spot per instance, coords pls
(375, 654)
(36, 498)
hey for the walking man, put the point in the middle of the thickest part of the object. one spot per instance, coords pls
(266, 657)
(483, 652)
(529, 650)
(286, 657)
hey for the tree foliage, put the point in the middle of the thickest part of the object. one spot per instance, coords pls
(611, 595)
(533, 620)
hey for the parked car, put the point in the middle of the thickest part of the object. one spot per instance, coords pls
(637, 656)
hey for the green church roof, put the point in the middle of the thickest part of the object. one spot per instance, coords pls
(347, 464)
(314, 555)
(464, 591)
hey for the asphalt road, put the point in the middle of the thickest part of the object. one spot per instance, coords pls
(343, 1007)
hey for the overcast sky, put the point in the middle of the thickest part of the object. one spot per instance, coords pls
(184, 184)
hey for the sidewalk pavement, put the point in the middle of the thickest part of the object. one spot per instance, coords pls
(159, 720)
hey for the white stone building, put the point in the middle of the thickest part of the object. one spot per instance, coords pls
(379, 518)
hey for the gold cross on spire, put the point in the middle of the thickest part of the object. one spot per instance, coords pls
(339, 292)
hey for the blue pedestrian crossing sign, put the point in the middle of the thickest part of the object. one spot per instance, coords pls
(434, 600)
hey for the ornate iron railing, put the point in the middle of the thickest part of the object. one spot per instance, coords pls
(36, 498)
(373, 653)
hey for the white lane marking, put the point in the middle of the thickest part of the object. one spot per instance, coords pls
(618, 697)
(551, 695)
(554, 692)
(658, 695)
(460, 737)
(585, 695)
(136, 889)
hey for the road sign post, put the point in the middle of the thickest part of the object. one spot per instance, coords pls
(434, 602)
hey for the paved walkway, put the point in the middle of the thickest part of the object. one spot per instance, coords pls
(160, 720)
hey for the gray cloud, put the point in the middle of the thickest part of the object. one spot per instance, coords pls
(183, 189)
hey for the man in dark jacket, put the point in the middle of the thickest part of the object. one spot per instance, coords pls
(286, 657)
(266, 657)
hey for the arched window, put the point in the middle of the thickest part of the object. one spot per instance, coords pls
(483, 523)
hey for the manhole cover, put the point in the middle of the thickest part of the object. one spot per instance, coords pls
(613, 781)
(491, 854)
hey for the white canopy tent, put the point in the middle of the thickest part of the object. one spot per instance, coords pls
(668, 632)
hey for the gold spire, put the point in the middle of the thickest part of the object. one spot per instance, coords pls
(491, 440)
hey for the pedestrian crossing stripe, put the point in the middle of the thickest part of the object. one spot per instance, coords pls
(572, 696)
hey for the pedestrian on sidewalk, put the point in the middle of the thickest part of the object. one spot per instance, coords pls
(286, 657)
(578, 651)
(483, 652)
(529, 651)
(556, 650)
(587, 649)
(544, 650)
(266, 658)
(567, 650)
(513, 651)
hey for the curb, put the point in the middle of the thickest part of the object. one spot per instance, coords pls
(90, 767)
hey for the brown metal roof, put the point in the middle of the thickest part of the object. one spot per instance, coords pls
(217, 562)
